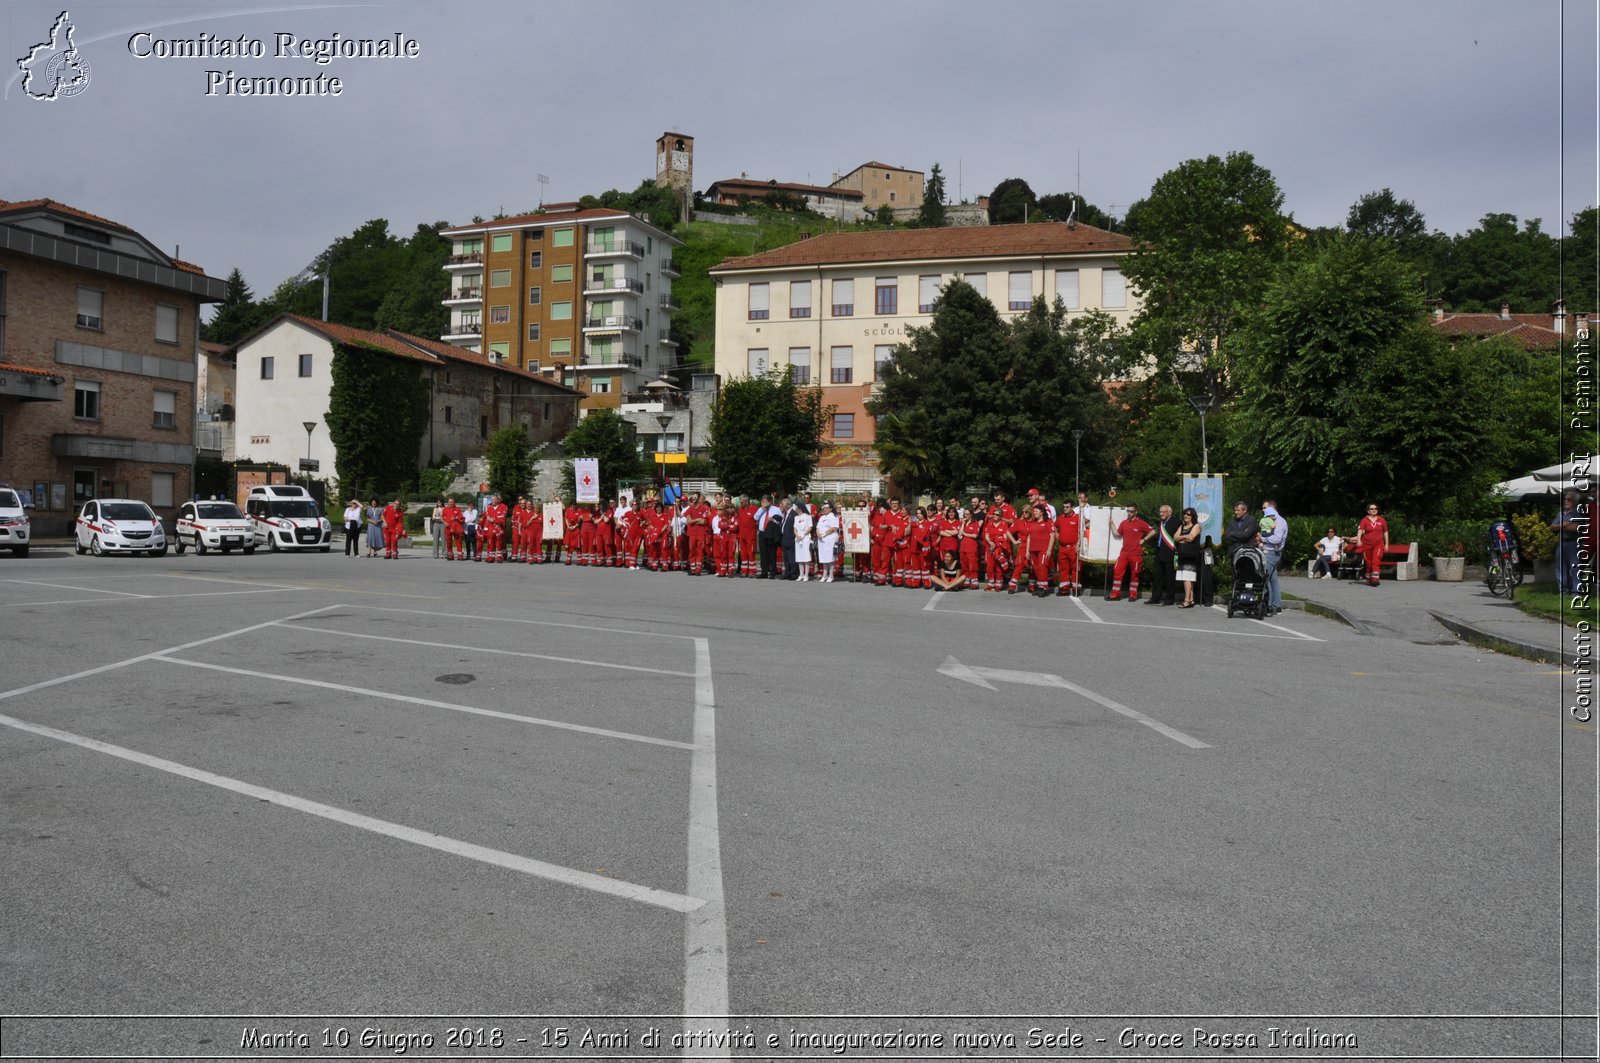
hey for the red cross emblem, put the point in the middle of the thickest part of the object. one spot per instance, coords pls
(854, 529)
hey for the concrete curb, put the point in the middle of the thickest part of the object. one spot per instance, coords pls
(1502, 644)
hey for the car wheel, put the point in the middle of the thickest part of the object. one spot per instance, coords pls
(272, 544)
(177, 544)
(200, 545)
(160, 552)
(95, 548)
(19, 551)
(77, 545)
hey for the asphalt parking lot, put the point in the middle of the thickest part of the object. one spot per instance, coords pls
(307, 785)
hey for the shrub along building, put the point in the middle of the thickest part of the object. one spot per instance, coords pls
(579, 296)
(833, 308)
(285, 380)
(98, 334)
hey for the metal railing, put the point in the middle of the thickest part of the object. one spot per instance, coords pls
(613, 284)
(615, 247)
(616, 321)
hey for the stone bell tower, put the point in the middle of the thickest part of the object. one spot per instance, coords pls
(675, 167)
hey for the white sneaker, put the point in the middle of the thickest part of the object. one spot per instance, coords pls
(804, 578)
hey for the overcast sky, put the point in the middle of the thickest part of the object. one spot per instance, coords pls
(1457, 106)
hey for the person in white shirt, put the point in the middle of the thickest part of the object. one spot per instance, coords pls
(470, 517)
(353, 523)
(802, 542)
(828, 541)
(1329, 550)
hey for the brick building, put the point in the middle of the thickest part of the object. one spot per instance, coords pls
(98, 334)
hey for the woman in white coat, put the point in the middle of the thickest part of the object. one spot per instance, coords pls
(802, 541)
(828, 541)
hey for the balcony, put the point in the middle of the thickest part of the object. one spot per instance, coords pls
(466, 261)
(613, 323)
(613, 284)
(462, 332)
(669, 268)
(667, 302)
(464, 295)
(668, 338)
(615, 360)
(614, 247)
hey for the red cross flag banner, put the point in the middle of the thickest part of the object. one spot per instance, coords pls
(853, 522)
(1095, 527)
(586, 474)
(554, 525)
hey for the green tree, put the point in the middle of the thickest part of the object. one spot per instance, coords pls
(766, 433)
(510, 461)
(1345, 393)
(237, 315)
(973, 400)
(1497, 264)
(606, 435)
(1381, 214)
(1059, 206)
(1580, 257)
(1210, 234)
(414, 302)
(378, 412)
(932, 214)
(1012, 202)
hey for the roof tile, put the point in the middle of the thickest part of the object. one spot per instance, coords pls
(898, 245)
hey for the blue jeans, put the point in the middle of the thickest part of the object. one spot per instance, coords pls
(1274, 591)
(1566, 564)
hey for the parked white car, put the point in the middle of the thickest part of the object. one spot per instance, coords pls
(14, 523)
(119, 526)
(212, 526)
(286, 517)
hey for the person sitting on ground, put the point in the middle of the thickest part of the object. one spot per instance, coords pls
(948, 576)
(1329, 550)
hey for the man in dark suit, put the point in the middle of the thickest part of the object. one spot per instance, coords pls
(791, 567)
(769, 521)
(1165, 577)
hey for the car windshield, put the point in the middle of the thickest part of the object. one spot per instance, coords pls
(126, 511)
(8, 499)
(218, 510)
(299, 507)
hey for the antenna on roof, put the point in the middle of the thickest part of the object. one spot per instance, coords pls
(543, 180)
(1072, 215)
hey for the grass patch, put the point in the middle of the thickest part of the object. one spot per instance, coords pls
(1542, 599)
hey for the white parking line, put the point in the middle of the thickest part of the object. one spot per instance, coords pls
(705, 934)
(47, 683)
(429, 702)
(75, 587)
(676, 902)
(484, 649)
(1124, 623)
(519, 620)
(932, 603)
(1090, 613)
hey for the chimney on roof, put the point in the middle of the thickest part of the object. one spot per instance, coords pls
(1505, 311)
(1561, 317)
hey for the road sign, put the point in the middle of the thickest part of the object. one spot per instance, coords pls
(310, 465)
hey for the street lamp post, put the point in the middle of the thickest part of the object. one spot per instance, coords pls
(665, 421)
(310, 426)
(1197, 362)
(1077, 436)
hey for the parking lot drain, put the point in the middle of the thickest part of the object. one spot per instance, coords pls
(455, 679)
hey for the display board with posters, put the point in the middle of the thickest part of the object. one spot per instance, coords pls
(853, 526)
(1097, 526)
(554, 523)
(586, 475)
(1203, 494)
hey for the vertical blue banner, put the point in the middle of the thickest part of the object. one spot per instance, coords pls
(1204, 494)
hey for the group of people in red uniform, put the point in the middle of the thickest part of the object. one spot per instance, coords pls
(993, 546)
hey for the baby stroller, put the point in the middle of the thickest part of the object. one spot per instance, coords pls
(1249, 594)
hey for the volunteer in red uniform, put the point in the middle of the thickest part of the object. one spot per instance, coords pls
(878, 542)
(572, 523)
(1372, 536)
(998, 543)
(747, 526)
(455, 531)
(605, 533)
(1134, 533)
(492, 531)
(1067, 551)
(971, 535)
(1041, 541)
(697, 529)
(530, 530)
(914, 556)
(897, 527)
(628, 537)
(394, 522)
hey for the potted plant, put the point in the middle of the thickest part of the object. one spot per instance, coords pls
(1451, 566)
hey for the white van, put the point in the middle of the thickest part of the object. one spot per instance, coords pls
(14, 522)
(286, 517)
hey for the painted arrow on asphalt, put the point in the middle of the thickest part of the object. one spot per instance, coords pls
(987, 677)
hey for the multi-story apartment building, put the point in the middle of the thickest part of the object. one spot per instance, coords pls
(285, 375)
(833, 308)
(882, 185)
(98, 334)
(582, 296)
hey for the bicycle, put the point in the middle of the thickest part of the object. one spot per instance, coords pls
(1503, 575)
